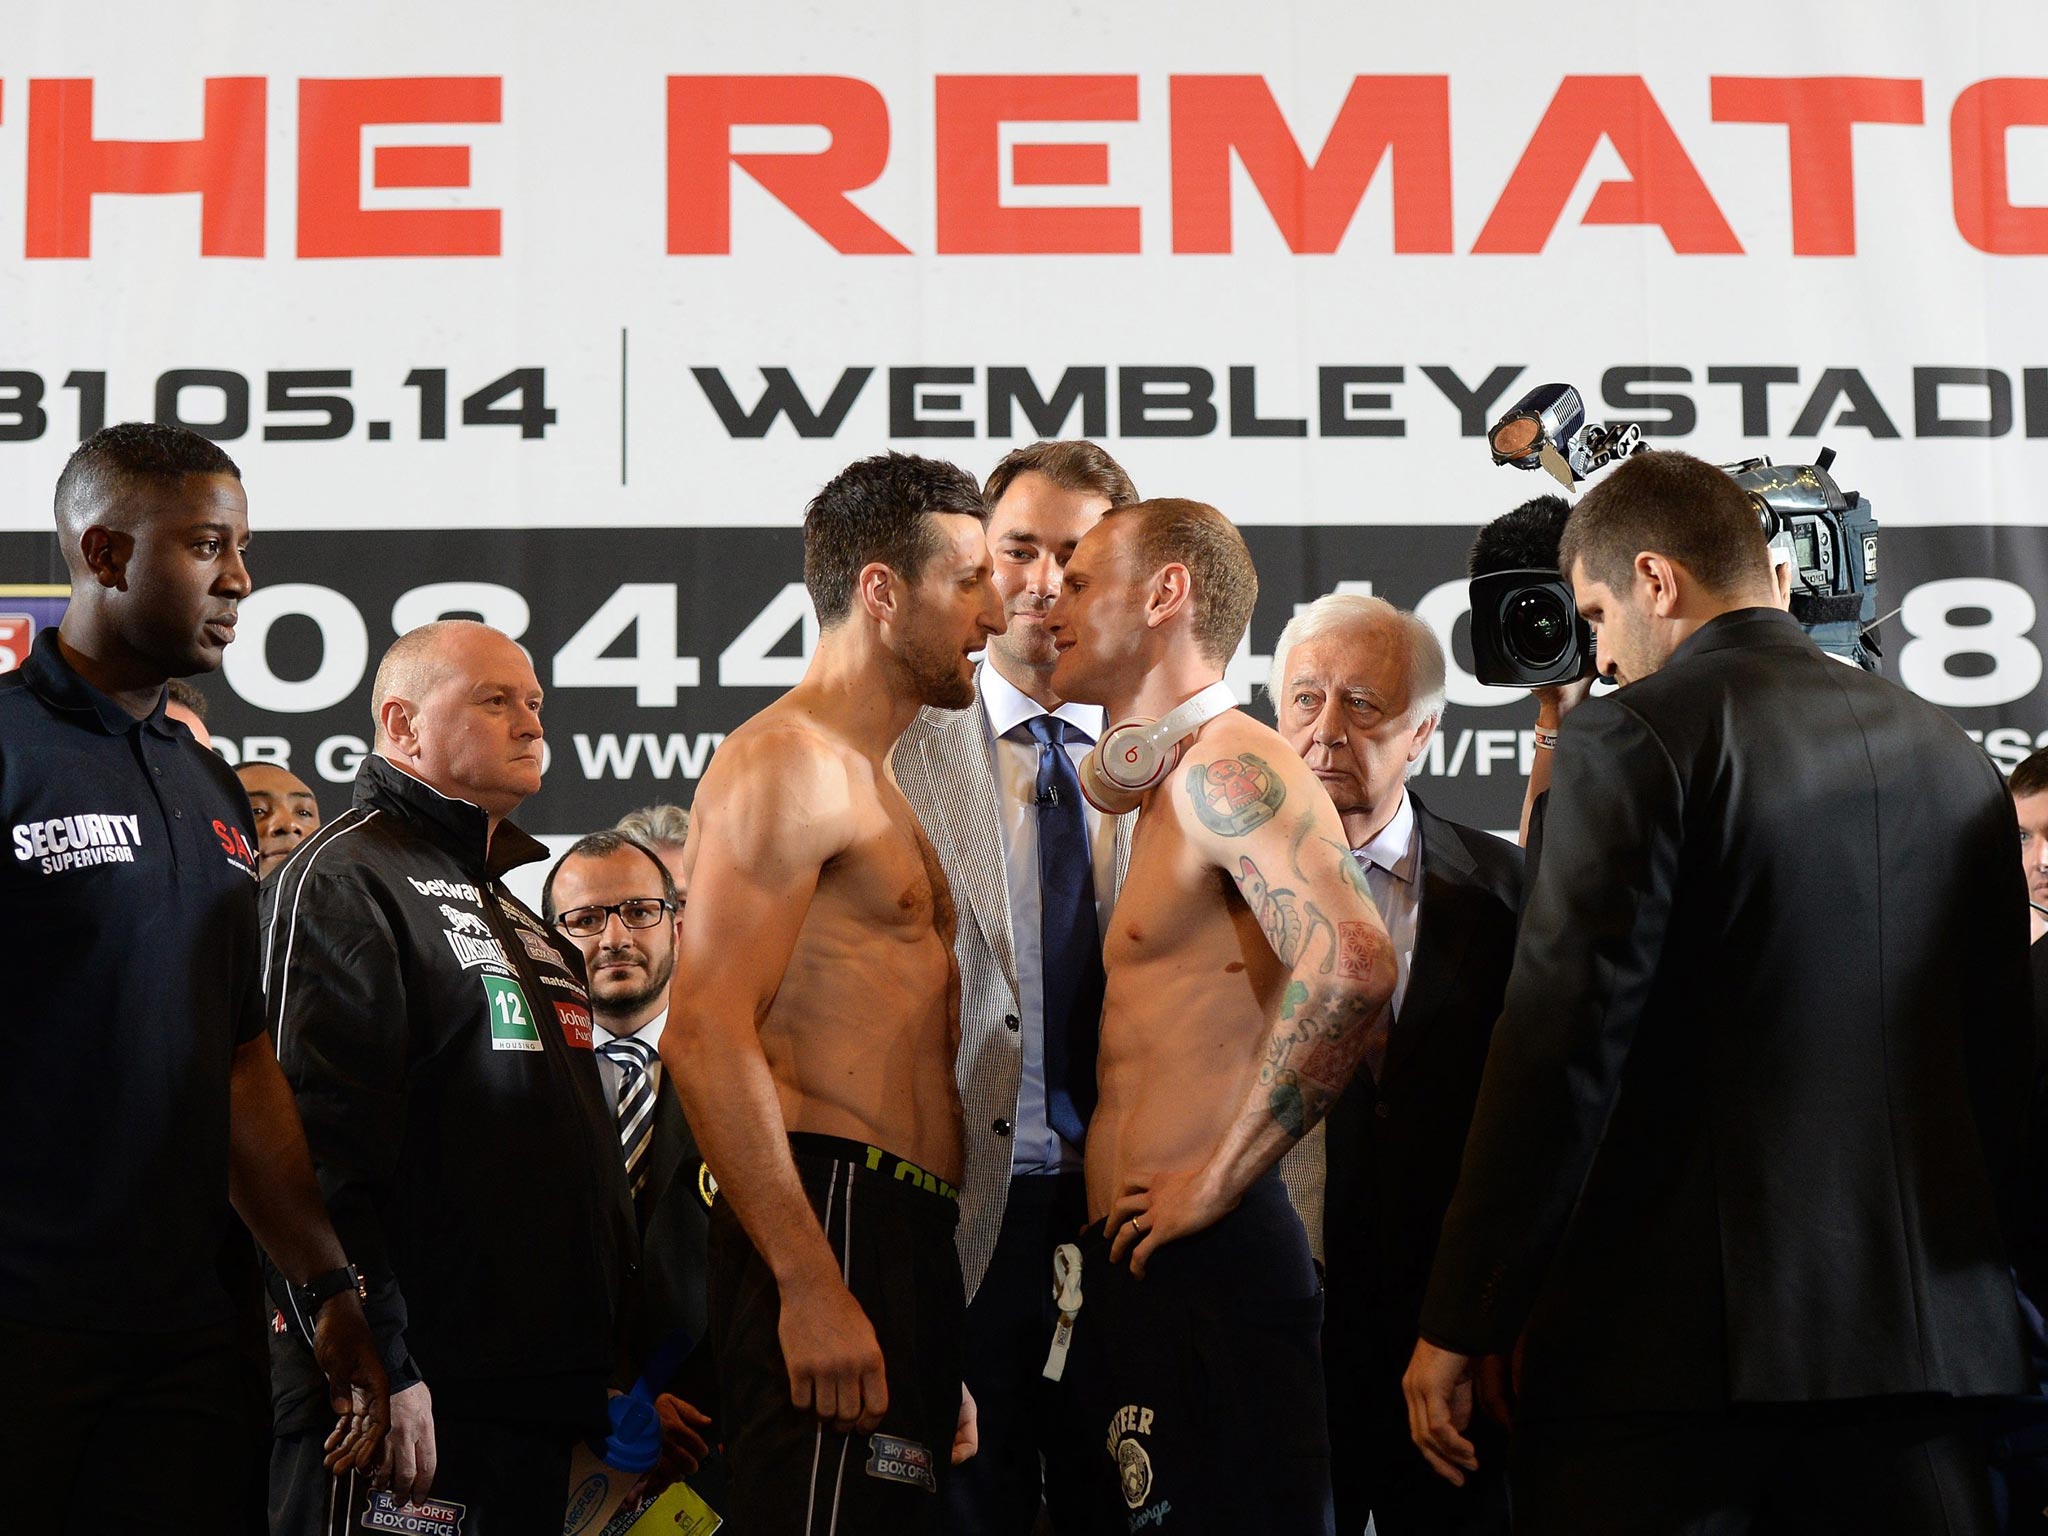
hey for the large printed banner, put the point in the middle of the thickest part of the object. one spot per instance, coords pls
(558, 315)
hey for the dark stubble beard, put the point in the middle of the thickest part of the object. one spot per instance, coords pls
(935, 677)
(622, 1007)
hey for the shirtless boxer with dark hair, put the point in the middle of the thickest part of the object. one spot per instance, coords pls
(812, 1027)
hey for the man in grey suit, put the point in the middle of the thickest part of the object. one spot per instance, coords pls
(1034, 869)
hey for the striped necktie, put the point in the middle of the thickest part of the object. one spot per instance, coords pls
(632, 1057)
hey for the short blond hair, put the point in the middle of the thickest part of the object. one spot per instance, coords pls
(1224, 585)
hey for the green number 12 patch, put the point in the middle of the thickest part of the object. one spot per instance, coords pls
(512, 1026)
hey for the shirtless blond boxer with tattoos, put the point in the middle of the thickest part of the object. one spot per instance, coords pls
(1246, 967)
(812, 1026)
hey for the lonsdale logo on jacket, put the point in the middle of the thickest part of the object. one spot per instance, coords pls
(471, 939)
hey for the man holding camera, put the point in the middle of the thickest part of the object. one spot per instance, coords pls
(1736, 1169)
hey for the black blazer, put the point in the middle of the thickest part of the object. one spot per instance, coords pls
(675, 1213)
(1394, 1146)
(1765, 1053)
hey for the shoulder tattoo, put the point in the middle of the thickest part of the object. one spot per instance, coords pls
(1235, 795)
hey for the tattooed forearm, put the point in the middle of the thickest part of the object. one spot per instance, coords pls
(1313, 1052)
(1235, 795)
(1328, 1008)
(1290, 1110)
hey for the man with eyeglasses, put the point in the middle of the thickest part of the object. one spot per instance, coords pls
(615, 900)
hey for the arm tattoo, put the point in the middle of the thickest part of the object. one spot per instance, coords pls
(1289, 1110)
(1278, 914)
(1320, 1036)
(1289, 923)
(1235, 795)
(1354, 951)
(1354, 875)
(1310, 1056)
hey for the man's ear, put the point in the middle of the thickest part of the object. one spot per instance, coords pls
(107, 552)
(1418, 739)
(1171, 592)
(396, 725)
(1663, 580)
(879, 591)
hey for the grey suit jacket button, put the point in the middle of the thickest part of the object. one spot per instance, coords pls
(1003, 1128)
(1011, 1021)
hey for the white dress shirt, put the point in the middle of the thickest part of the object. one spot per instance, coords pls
(1393, 873)
(649, 1035)
(1037, 1147)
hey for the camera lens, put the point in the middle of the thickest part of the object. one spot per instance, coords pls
(1536, 627)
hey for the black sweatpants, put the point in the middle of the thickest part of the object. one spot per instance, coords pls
(788, 1474)
(1202, 1384)
(122, 1431)
(493, 1479)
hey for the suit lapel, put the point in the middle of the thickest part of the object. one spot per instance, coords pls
(672, 1143)
(1441, 935)
(960, 778)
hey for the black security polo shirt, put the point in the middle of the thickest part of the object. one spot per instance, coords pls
(128, 906)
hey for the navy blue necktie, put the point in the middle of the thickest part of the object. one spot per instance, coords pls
(1070, 943)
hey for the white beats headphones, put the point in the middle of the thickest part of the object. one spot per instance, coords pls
(1135, 755)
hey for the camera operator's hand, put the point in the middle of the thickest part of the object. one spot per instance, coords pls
(1557, 700)
(1553, 703)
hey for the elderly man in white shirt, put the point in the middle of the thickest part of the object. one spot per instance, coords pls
(1358, 690)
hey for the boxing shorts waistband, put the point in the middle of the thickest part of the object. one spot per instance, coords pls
(867, 1159)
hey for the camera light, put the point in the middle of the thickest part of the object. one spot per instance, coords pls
(1544, 427)
(1516, 438)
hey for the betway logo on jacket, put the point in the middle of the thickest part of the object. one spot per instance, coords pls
(450, 888)
(73, 842)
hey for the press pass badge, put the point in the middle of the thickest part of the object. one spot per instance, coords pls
(1066, 1295)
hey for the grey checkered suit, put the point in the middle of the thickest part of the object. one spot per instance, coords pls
(945, 764)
